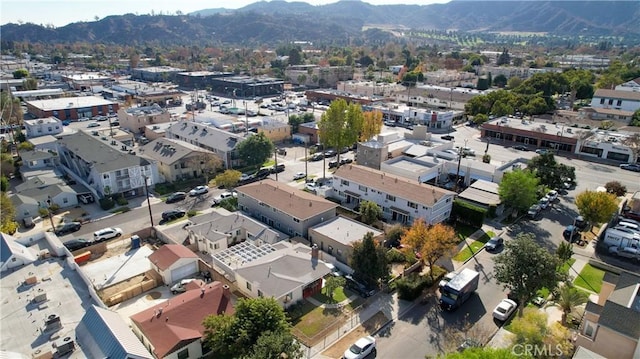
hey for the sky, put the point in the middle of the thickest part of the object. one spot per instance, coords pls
(63, 12)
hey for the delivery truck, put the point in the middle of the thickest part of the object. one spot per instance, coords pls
(620, 238)
(459, 289)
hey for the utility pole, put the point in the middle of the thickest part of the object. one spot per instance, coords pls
(275, 153)
(460, 152)
(146, 191)
(53, 226)
(306, 161)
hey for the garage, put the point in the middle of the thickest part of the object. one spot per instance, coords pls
(184, 271)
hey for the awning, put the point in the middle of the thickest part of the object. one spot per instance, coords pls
(352, 194)
(396, 209)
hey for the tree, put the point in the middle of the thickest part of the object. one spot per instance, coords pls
(369, 261)
(206, 163)
(532, 330)
(568, 298)
(504, 58)
(616, 188)
(371, 125)
(7, 214)
(564, 252)
(635, 119)
(256, 149)
(26, 146)
(340, 125)
(370, 212)
(30, 83)
(513, 82)
(255, 328)
(518, 189)
(295, 121)
(393, 235)
(596, 207)
(431, 242)
(11, 109)
(550, 173)
(525, 268)
(21, 74)
(332, 284)
(228, 178)
(4, 184)
(484, 353)
(500, 81)
(633, 142)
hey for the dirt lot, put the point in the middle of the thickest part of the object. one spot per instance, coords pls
(366, 328)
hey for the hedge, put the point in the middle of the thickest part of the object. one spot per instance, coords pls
(468, 213)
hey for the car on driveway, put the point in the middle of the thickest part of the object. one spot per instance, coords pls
(181, 286)
(504, 309)
(630, 167)
(534, 211)
(361, 348)
(299, 175)
(176, 197)
(200, 190)
(311, 187)
(494, 244)
(358, 287)
(67, 228)
(172, 214)
(106, 233)
(76, 243)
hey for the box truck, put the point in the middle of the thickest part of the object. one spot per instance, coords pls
(459, 289)
(620, 238)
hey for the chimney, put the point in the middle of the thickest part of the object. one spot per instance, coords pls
(225, 289)
(315, 251)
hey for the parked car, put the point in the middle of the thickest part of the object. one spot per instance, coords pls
(581, 223)
(358, 287)
(200, 190)
(447, 137)
(467, 151)
(181, 286)
(172, 214)
(344, 161)
(494, 244)
(76, 243)
(334, 164)
(93, 124)
(544, 202)
(106, 233)
(311, 187)
(299, 175)
(221, 197)
(361, 348)
(330, 153)
(521, 148)
(67, 228)
(277, 169)
(552, 195)
(504, 309)
(630, 167)
(317, 156)
(571, 233)
(542, 151)
(534, 211)
(390, 123)
(176, 197)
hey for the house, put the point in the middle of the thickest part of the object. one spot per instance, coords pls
(33, 160)
(26, 207)
(173, 329)
(71, 108)
(289, 274)
(176, 159)
(310, 129)
(220, 142)
(219, 230)
(283, 207)
(611, 327)
(14, 254)
(135, 119)
(336, 236)
(632, 85)
(276, 131)
(104, 334)
(105, 166)
(43, 126)
(615, 105)
(174, 262)
(402, 200)
(43, 143)
(48, 190)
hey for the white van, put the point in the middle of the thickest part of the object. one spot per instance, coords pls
(632, 226)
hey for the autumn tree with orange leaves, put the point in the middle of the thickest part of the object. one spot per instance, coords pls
(432, 242)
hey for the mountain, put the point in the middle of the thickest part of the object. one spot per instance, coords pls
(338, 23)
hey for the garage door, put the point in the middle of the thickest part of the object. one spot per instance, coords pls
(184, 271)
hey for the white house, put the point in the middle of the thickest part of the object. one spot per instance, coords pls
(174, 262)
(614, 104)
(13, 254)
(633, 85)
(43, 126)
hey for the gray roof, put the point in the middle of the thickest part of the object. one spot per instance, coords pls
(42, 194)
(42, 140)
(18, 199)
(621, 311)
(69, 103)
(280, 272)
(215, 223)
(38, 182)
(345, 230)
(204, 134)
(168, 150)
(35, 155)
(106, 157)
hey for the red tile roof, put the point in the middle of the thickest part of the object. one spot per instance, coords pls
(168, 254)
(177, 322)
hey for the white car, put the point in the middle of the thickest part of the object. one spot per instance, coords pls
(198, 191)
(181, 286)
(468, 151)
(544, 202)
(107, 233)
(361, 348)
(311, 187)
(222, 196)
(553, 195)
(504, 309)
(299, 175)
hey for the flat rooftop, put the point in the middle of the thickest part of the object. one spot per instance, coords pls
(106, 272)
(63, 294)
(541, 126)
(345, 230)
(69, 102)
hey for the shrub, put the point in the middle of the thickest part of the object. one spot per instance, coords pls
(616, 188)
(106, 203)
(43, 212)
(54, 207)
(467, 213)
(411, 286)
(121, 201)
(191, 213)
(395, 256)
(230, 204)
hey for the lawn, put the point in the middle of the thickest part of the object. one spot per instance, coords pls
(315, 319)
(467, 253)
(338, 296)
(590, 278)
(565, 267)
(463, 230)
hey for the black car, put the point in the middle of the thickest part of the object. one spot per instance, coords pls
(358, 287)
(520, 148)
(277, 169)
(330, 153)
(317, 157)
(176, 197)
(333, 164)
(571, 234)
(75, 244)
(344, 161)
(173, 214)
(67, 228)
(447, 137)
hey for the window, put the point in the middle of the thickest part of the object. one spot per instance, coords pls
(248, 285)
(602, 101)
(611, 101)
(183, 354)
(175, 166)
(65, 200)
(105, 176)
(296, 220)
(589, 329)
(412, 205)
(363, 188)
(344, 182)
(391, 198)
(619, 103)
(216, 246)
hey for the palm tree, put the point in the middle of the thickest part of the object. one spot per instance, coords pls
(568, 298)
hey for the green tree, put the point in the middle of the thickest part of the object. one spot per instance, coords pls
(635, 119)
(228, 178)
(254, 328)
(369, 261)
(371, 125)
(518, 189)
(26, 146)
(340, 125)
(393, 234)
(525, 268)
(30, 84)
(205, 163)
(296, 120)
(7, 215)
(596, 207)
(616, 188)
(256, 149)
(532, 329)
(504, 58)
(21, 74)
(333, 283)
(4, 184)
(484, 353)
(550, 173)
(370, 212)
(513, 82)
(11, 109)
(500, 81)
(564, 252)
(568, 298)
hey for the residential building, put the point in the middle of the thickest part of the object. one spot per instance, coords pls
(177, 160)
(512, 71)
(318, 76)
(614, 105)
(26, 207)
(283, 207)
(34, 160)
(337, 236)
(43, 143)
(43, 126)
(104, 334)
(431, 96)
(369, 88)
(289, 274)
(174, 330)
(611, 326)
(174, 262)
(220, 142)
(329, 95)
(276, 131)
(71, 108)
(152, 132)
(402, 200)
(13, 253)
(632, 85)
(105, 167)
(135, 119)
(48, 188)
(483, 194)
(218, 230)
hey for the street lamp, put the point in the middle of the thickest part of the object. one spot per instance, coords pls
(146, 191)
(53, 227)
